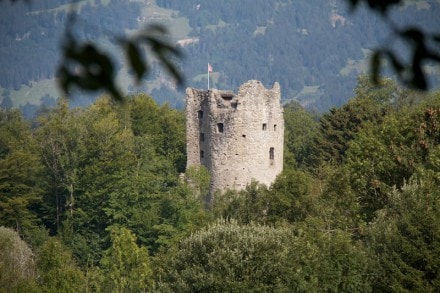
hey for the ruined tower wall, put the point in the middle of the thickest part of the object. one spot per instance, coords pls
(237, 137)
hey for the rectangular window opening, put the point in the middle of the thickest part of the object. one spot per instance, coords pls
(220, 127)
(202, 154)
(200, 114)
(271, 153)
(202, 137)
(227, 96)
(274, 127)
(264, 126)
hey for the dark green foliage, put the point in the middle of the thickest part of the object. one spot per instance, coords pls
(164, 127)
(58, 137)
(20, 174)
(339, 127)
(340, 204)
(125, 267)
(115, 165)
(405, 239)
(244, 206)
(227, 256)
(57, 269)
(105, 181)
(230, 257)
(385, 155)
(198, 179)
(288, 200)
(301, 129)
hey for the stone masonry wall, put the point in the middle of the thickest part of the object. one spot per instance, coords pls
(237, 137)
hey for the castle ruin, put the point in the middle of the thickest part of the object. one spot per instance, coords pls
(237, 137)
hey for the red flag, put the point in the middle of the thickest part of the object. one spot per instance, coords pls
(209, 68)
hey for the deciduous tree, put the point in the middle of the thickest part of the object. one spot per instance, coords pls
(17, 264)
(21, 174)
(405, 239)
(125, 266)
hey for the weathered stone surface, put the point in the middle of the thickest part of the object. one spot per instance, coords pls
(237, 137)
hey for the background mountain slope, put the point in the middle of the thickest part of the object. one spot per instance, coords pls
(315, 49)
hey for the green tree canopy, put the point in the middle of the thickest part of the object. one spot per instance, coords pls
(57, 269)
(405, 239)
(125, 266)
(227, 256)
(386, 155)
(21, 174)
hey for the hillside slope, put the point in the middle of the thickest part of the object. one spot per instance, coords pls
(315, 49)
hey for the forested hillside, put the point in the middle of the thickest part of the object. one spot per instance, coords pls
(91, 200)
(315, 49)
(32, 35)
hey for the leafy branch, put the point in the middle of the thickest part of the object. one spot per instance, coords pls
(410, 73)
(84, 66)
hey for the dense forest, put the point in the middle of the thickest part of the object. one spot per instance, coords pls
(314, 49)
(94, 199)
(32, 34)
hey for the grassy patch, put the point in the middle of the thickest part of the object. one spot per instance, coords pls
(178, 26)
(260, 30)
(214, 27)
(359, 66)
(69, 7)
(307, 90)
(33, 93)
(420, 4)
(307, 95)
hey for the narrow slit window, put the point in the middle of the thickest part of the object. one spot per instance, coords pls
(202, 154)
(274, 127)
(200, 114)
(220, 127)
(202, 137)
(271, 153)
(264, 126)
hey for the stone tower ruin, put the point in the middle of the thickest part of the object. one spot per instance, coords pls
(237, 137)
